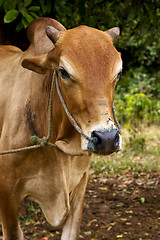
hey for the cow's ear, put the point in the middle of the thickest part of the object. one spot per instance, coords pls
(37, 64)
(113, 33)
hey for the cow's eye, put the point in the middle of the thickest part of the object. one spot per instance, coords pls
(64, 73)
(119, 75)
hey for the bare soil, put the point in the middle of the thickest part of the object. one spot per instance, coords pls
(116, 207)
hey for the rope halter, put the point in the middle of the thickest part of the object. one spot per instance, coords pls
(44, 141)
(76, 126)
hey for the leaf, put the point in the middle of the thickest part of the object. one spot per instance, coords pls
(98, 1)
(113, 223)
(132, 15)
(1, 2)
(49, 6)
(34, 8)
(123, 219)
(43, 7)
(89, 224)
(9, 5)
(91, 21)
(142, 200)
(19, 27)
(35, 15)
(120, 236)
(11, 16)
(88, 233)
(103, 188)
(44, 238)
(27, 3)
(150, 183)
(28, 17)
(129, 211)
(24, 22)
(143, 30)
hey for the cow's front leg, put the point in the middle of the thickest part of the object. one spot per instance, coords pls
(9, 217)
(13, 233)
(72, 223)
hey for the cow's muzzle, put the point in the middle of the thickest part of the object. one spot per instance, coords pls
(105, 142)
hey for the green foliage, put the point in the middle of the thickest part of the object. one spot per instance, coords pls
(137, 141)
(24, 11)
(137, 97)
(140, 30)
(11, 15)
(138, 106)
(34, 139)
(33, 208)
(139, 21)
(136, 109)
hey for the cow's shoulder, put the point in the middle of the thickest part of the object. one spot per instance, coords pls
(36, 33)
(9, 52)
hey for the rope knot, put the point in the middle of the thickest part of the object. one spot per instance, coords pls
(43, 142)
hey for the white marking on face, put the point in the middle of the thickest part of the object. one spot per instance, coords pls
(67, 66)
(118, 67)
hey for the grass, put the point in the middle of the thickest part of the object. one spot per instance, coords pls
(139, 154)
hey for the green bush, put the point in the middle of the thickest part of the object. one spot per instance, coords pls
(24, 10)
(137, 97)
(139, 21)
(137, 107)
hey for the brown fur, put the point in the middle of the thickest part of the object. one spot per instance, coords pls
(55, 178)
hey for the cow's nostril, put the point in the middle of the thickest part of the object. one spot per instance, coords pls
(117, 140)
(95, 136)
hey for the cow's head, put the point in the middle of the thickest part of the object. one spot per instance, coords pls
(88, 69)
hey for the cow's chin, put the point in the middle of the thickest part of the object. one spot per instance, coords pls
(67, 148)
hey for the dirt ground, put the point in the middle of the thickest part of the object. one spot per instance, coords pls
(123, 208)
(116, 208)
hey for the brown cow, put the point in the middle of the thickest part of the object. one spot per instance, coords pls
(88, 68)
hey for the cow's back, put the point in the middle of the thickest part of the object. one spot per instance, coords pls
(10, 57)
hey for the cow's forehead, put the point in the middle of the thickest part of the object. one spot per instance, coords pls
(88, 49)
(82, 35)
(84, 40)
